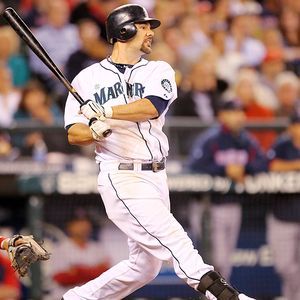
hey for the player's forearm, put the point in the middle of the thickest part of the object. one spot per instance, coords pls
(137, 111)
(80, 134)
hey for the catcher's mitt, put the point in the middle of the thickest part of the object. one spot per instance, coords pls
(23, 251)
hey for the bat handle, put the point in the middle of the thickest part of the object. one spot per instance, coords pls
(106, 133)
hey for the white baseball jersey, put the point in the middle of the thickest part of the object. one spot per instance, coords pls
(104, 83)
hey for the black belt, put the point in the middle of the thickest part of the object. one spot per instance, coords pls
(153, 166)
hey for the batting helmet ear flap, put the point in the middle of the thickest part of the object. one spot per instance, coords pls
(127, 32)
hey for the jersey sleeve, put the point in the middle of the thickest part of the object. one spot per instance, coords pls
(72, 107)
(161, 82)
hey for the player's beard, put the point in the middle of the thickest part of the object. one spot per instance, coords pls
(146, 46)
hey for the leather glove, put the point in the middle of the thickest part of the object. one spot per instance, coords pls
(91, 109)
(23, 251)
(100, 130)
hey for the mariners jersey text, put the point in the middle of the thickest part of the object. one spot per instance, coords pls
(106, 93)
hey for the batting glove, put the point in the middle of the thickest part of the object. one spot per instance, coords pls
(99, 130)
(91, 109)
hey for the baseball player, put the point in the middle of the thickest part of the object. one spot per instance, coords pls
(132, 95)
(283, 222)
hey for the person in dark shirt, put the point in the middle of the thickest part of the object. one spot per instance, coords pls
(284, 221)
(227, 151)
(202, 97)
(40, 109)
(96, 10)
(92, 50)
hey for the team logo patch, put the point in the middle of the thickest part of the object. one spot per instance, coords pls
(166, 84)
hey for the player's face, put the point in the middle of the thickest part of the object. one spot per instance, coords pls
(144, 37)
(80, 229)
(233, 119)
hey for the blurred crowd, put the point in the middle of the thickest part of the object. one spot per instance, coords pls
(245, 50)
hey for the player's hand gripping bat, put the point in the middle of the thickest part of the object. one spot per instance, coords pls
(25, 33)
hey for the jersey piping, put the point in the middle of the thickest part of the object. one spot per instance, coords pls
(137, 68)
(150, 127)
(146, 142)
(137, 124)
(120, 80)
(133, 69)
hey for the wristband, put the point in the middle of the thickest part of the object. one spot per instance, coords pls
(107, 112)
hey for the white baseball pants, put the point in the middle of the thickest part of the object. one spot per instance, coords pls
(225, 228)
(284, 241)
(138, 203)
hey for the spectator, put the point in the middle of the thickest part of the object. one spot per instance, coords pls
(10, 287)
(11, 57)
(288, 94)
(193, 41)
(175, 8)
(37, 107)
(283, 229)
(254, 98)
(34, 14)
(229, 62)
(171, 36)
(60, 39)
(162, 51)
(228, 151)
(96, 10)
(289, 25)
(272, 65)
(7, 151)
(240, 40)
(92, 49)
(10, 97)
(204, 92)
(77, 259)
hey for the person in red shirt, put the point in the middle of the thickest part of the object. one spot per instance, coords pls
(10, 287)
(247, 91)
(78, 258)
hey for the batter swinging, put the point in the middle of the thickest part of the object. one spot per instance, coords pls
(132, 96)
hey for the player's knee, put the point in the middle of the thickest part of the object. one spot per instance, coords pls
(216, 285)
(151, 270)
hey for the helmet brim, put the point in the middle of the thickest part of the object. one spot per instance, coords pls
(154, 23)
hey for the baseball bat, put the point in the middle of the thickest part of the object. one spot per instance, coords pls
(26, 34)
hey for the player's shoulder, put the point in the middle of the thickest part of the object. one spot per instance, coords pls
(87, 71)
(160, 64)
